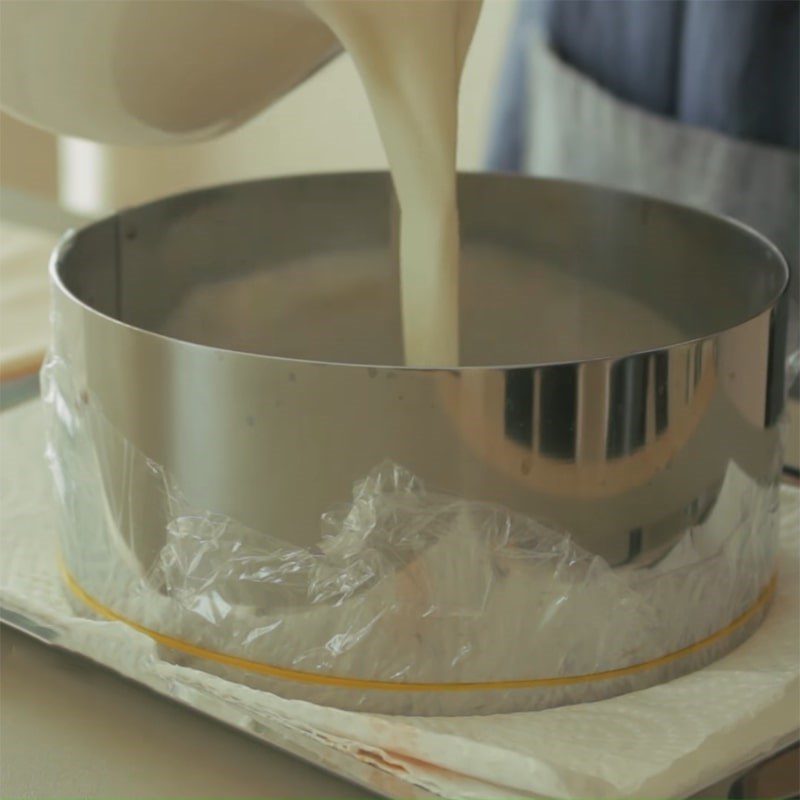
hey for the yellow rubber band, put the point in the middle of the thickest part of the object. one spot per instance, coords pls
(397, 686)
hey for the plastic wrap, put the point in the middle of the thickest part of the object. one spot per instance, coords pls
(412, 602)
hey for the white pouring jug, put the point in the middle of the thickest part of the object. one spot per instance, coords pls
(141, 72)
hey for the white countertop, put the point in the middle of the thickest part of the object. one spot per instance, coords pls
(69, 728)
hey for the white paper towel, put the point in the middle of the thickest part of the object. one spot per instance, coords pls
(667, 741)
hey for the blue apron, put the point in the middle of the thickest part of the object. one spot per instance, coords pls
(693, 101)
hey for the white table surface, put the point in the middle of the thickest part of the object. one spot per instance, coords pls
(69, 728)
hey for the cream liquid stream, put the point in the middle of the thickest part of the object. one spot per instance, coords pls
(410, 55)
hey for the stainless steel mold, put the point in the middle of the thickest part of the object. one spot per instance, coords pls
(625, 449)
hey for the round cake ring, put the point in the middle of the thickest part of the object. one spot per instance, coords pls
(629, 451)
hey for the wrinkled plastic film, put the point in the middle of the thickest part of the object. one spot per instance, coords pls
(405, 586)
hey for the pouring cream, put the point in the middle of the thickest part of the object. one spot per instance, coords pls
(410, 55)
